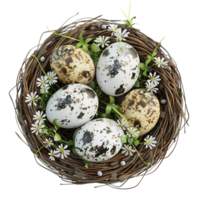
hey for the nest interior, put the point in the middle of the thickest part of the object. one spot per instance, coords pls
(173, 117)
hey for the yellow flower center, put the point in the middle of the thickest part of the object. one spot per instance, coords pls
(121, 49)
(50, 77)
(150, 88)
(152, 79)
(38, 128)
(39, 118)
(128, 149)
(33, 99)
(159, 63)
(121, 124)
(45, 88)
(102, 42)
(42, 82)
(148, 142)
(131, 132)
(52, 154)
(113, 30)
(62, 150)
(48, 142)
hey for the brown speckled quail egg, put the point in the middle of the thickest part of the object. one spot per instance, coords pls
(98, 140)
(142, 109)
(72, 65)
(72, 105)
(117, 69)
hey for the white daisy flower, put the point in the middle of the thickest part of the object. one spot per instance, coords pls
(52, 77)
(41, 81)
(154, 79)
(102, 40)
(44, 89)
(120, 35)
(123, 123)
(150, 142)
(62, 151)
(113, 28)
(49, 142)
(127, 150)
(52, 155)
(133, 132)
(121, 49)
(150, 87)
(161, 62)
(37, 128)
(39, 116)
(32, 98)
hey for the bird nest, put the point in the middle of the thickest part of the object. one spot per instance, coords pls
(173, 114)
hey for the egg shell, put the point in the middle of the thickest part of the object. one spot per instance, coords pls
(99, 140)
(72, 105)
(141, 109)
(117, 71)
(72, 65)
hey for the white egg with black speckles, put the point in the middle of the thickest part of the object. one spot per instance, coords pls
(117, 69)
(72, 105)
(99, 140)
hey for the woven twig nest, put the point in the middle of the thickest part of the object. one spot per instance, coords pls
(166, 131)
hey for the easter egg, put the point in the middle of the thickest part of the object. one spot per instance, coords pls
(117, 69)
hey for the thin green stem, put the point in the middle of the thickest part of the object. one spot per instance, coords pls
(39, 64)
(158, 44)
(39, 150)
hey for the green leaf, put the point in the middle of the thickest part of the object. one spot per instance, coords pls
(142, 66)
(69, 143)
(57, 137)
(78, 45)
(74, 151)
(137, 84)
(130, 140)
(81, 37)
(115, 106)
(104, 115)
(86, 163)
(147, 62)
(98, 91)
(112, 99)
(154, 54)
(108, 110)
(95, 48)
(75, 132)
(88, 40)
(92, 85)
(55, 124)
(136, 142)
(124, 138)
(51, 129)
(145, 73)
(85, 48)
(148, 57)
(39, 107)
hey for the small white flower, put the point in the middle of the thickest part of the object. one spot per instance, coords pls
(113, 28)
(121, 49)
(62, 151)
(154, 79)
(39, 116)
(37, 128)
(133, 132)
(102, 40)
(51, 77)
(123, 123)
(120, 35)
(52, 155)
(127, 150)
(41, 81)
(161, 62)
(44, 88)
(150, 87)
(32, 98)
(49, 142)
(150, 142)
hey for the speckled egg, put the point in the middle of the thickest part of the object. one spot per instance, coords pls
(72, 105)
(99, 140)
(117, 69)
(142, 109)
(72, 65)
